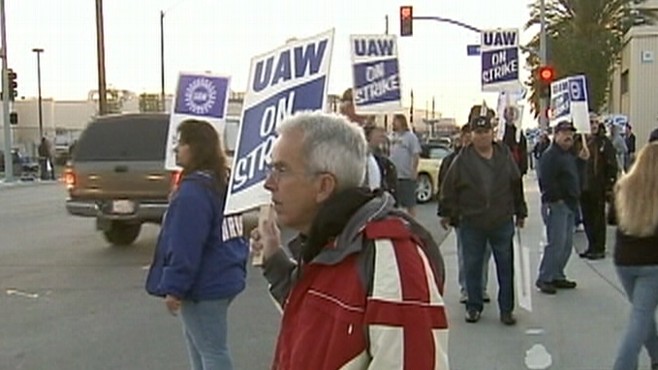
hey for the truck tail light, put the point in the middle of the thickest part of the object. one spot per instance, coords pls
(69, 178)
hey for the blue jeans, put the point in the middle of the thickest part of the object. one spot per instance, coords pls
(205, 329)
(544, 213)
(559, 231)
(460, 265)
(475, 241)
(641, 286)
(578, 217)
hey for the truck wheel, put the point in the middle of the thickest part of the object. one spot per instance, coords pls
(121, 233)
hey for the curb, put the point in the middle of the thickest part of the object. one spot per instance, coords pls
(26, 184)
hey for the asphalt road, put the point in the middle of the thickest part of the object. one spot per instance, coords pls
(69, 301)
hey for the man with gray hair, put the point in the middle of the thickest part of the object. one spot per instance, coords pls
(361, 287)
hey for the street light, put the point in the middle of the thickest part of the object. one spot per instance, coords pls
(38, 51)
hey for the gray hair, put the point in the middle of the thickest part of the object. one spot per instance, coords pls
(331, 144)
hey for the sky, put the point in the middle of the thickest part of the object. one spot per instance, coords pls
(223, 35)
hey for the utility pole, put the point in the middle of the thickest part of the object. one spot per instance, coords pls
(386, 114)
(38, 51)
(9, 167)
(100, 47)
(162, 63)
(543, 101)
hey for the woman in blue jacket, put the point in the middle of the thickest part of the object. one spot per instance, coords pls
(200, 259)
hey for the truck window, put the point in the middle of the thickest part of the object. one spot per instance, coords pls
(123, 138)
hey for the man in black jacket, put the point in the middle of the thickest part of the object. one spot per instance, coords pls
(559, 181)
(483, 190)
(600, 177)
(464, 141)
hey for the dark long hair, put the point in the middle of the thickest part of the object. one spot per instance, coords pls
(206, 150)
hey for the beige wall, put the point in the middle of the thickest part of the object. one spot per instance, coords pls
(639, 102)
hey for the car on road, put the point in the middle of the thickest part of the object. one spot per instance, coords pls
(431, 155)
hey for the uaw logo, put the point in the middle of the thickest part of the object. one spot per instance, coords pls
(201, 96)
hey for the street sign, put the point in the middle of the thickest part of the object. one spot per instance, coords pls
(472, 50)
(500, 59)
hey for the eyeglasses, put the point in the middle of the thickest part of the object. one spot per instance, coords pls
(277, 171)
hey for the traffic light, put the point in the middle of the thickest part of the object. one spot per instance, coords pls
(545, 76)
(406, 20)
(13, 85)
(13, 118)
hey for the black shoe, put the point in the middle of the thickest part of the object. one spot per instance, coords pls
(564, 284)
(472, 316)
(546, 288)
(508, 319)
(595, 255)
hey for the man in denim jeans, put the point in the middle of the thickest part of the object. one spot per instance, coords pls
(484, 191)
(560, 190)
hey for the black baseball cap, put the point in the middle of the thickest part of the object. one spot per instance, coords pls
(480, 123)
(564, 126)
(478, 119)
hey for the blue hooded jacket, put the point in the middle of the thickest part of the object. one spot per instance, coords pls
(201, 254)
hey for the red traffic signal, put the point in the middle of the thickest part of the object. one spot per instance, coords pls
(406, 20)
(546, 74)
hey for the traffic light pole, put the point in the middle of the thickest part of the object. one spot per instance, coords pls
(447, 20)
(9, 173)
(543, 100)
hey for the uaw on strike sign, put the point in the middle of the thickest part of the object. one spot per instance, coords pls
(198, 95)
(500, 59)
(284, 81)
(376, 74)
